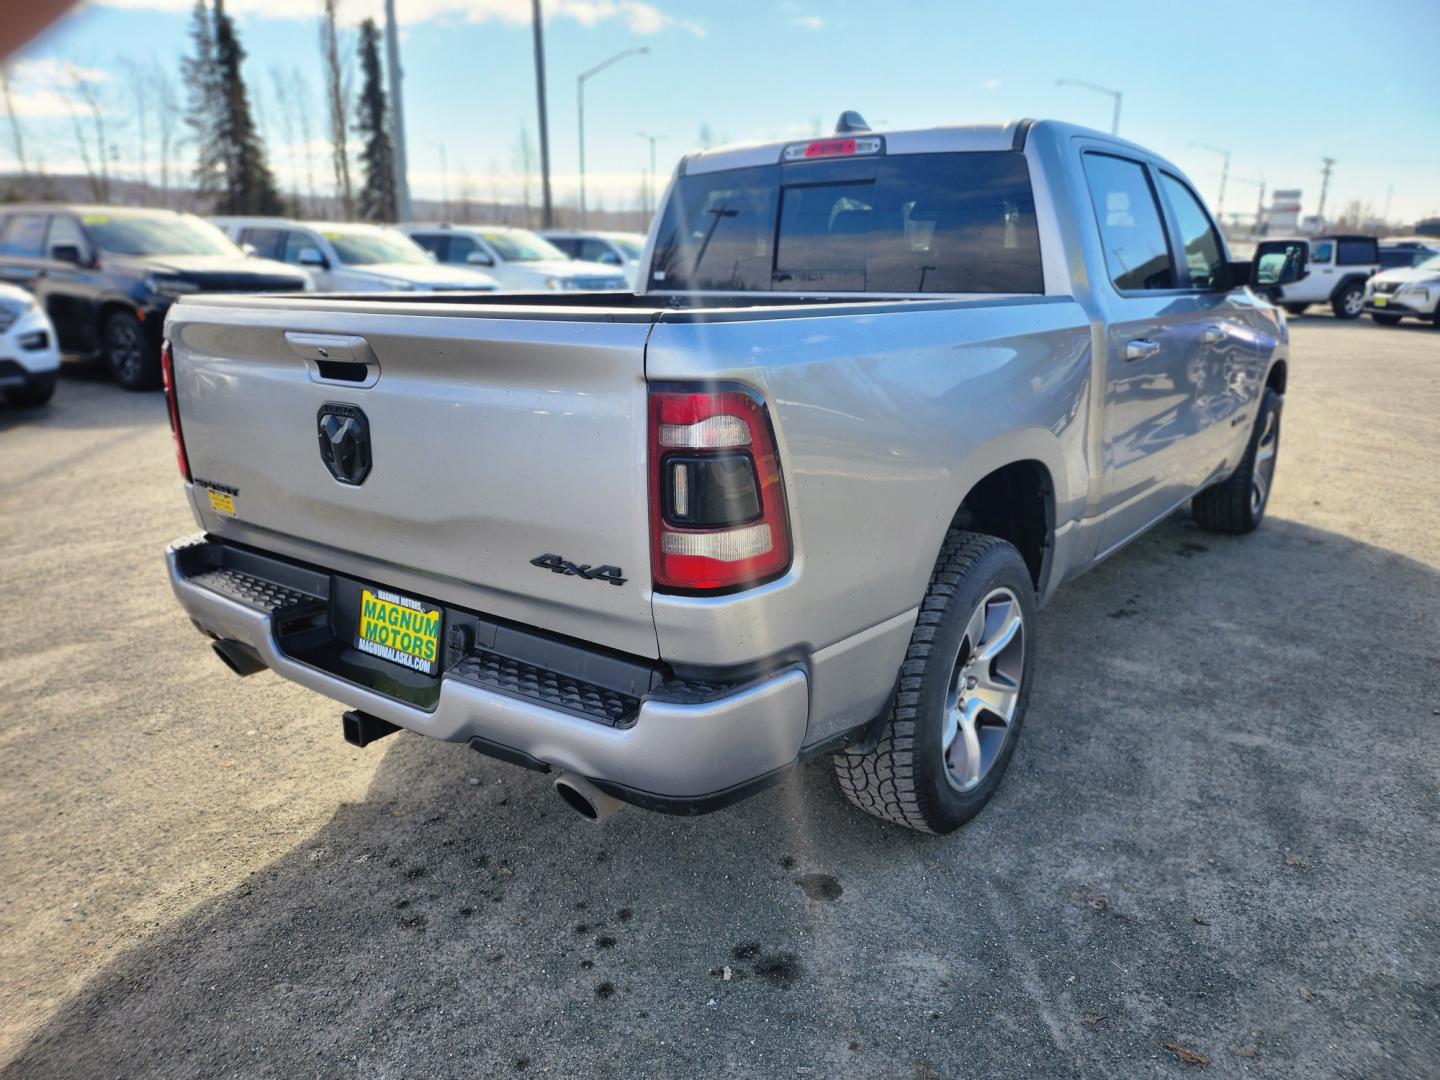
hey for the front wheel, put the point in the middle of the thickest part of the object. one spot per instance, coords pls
(1349, 302)
(128, 355)
(956, 714)
(1386, 320)
(1237, 504)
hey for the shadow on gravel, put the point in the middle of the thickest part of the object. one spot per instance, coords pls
(1218, 837)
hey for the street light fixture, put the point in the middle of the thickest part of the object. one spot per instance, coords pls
(1224, 172)
(1115, 118)
(580, 102)
(652, 138)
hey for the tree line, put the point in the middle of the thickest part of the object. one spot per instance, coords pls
(231, 166)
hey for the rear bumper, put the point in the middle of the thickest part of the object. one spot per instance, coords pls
(688, 748)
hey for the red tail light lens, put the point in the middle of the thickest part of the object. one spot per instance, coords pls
(718, 520)
(167, 371)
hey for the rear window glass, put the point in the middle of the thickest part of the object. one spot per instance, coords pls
(915, 223)
(24, 234)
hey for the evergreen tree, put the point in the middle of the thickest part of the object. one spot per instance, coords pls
(378, 198)
(249, 186)
(202, 108)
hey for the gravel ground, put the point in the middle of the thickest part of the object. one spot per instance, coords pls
(1218, 837)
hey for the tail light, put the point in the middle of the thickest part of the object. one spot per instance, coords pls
(718, 521)
(172, 405)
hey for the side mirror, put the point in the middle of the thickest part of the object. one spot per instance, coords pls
(1279, 262)
(69, 253)
(248, 249)
(479, 258)
(311, 257)
(610, 259)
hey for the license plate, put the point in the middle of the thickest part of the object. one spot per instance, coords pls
(1379, 301)
(399, 629)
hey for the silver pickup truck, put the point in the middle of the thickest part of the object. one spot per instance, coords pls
(880, 396)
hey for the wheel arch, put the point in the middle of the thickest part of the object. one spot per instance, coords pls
(1345, 282)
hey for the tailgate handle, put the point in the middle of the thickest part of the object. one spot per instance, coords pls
(346, 359)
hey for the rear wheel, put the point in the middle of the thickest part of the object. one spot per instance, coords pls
(1386, 320)
(1237, 505)
(38, 389)
(128, 355)
(1349, 302)
(956, 715)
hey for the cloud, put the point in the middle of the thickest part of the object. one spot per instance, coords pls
(638, 16)
(990, 85)
(39, 88)
(808, 22)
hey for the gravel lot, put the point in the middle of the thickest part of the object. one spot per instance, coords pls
(1220, 836)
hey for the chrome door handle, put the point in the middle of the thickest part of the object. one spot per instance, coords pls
(1141, 349)
(1211, 334)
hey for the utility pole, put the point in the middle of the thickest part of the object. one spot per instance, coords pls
(1324, 186)
(1224, 173)
(547, 212)
(444, 182)
(580, 109)
(397, 111)
(653, 193)
(1115, 116)
(1389, 196)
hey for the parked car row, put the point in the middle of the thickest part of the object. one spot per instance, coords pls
(1356, 275)
(96, 281)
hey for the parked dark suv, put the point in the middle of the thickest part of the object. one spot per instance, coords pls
(106, 276)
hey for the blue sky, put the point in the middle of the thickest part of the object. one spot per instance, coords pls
(1279, 84)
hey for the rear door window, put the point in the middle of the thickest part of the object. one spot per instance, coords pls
(1358, 252)
(1131, 228)
(24, 235)
(913, 223)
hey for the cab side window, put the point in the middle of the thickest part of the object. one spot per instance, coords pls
(1322, 252)
(266, 243)
(1204, 254)
(295, 243)
(1131, 228)
(24, 235)
(460, 249)
(597, 251)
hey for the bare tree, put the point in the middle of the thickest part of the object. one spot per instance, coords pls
(15, 132)
(336, 89)
(97, 174)
(525, 165)
(140, 90)
(167, 107)
(467, 196)
(282, 88)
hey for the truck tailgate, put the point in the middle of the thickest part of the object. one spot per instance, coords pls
(493, 441)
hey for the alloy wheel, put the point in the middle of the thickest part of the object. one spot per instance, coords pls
(122, 341)
(1263, 471)
(984, 690)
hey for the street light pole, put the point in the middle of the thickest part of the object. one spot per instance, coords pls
(1224, 173)
(653, 194)
(580, 108)
(444, 182)
(547, 214)
(1114, 116)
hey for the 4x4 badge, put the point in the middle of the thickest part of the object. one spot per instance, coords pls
(556, 565)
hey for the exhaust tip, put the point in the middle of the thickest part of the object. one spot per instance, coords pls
(238, 657)
(585, 798)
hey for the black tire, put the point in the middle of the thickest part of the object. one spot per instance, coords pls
(38, 390)
(1296, 309)
(128, 354)
(905, 779)
(1233, 506)
(1349, 300)
(1386, 320)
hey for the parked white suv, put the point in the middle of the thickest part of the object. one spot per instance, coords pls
(1338, 269)
(29, 357)
(1413, 292)
(349, 257)
(518, 259)
(618, 249)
